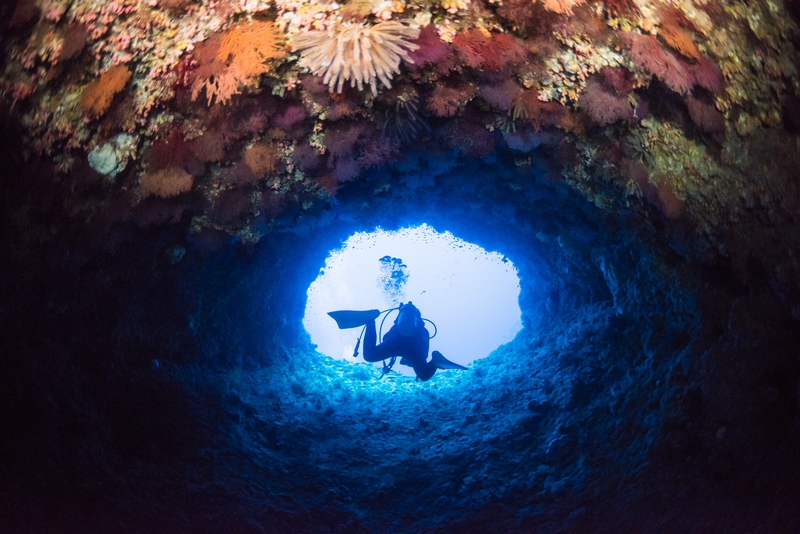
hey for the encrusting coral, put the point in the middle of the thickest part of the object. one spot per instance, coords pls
(254, 95)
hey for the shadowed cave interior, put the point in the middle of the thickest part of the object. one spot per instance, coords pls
(643, 394)
(636, 160)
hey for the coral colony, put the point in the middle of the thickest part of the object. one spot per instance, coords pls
(258, 106)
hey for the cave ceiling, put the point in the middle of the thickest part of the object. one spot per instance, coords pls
(234, 118)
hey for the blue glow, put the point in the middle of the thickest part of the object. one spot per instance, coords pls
(470, 294)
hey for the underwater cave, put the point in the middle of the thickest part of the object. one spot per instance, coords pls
(157, 373)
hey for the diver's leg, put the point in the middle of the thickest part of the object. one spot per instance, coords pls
(372, 351)
(370, 338)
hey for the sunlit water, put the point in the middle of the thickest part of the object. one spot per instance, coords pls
(470, 294)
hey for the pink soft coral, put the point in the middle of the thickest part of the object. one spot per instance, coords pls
(431, 47)
(291, 116)
(647, 54)
(603, 105)
(705, 115)
(618, 78)
(707, 75)
(500, 96)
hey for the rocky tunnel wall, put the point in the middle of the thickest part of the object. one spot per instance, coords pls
(602, 384)
(147, 392)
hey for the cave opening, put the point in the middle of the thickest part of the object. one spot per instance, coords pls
(468, 296)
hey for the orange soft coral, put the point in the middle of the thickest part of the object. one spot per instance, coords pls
(261, 158)
(561, 6)
(166, 183)
(98, 95)
(211, 73)
(235, 58)
(250, 47)
(679, 40)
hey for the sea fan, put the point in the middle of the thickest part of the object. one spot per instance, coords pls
(74, 41)
(621, 8)
(529, 18)
(341, 138)
(529, 108)
(707, 75)
(618, 78)
(231, 204)
(210, 146)
(680, 40)
(238, 174)
(357, 52)
(290, 116)
(471, 139)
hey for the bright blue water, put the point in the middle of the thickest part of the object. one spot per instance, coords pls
(470, 294)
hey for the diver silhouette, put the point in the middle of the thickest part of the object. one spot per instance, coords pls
(408, 339)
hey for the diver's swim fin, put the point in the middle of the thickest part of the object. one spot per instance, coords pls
(353, 318)
(443, 363)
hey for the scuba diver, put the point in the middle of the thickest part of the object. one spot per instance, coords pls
(407, 339)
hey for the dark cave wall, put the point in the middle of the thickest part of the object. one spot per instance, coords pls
(616, 374)
(639, 384)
